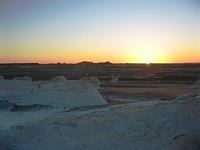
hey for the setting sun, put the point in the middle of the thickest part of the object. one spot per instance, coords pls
(149, 56)
(146, 56)
(148, 53)
(99, 74)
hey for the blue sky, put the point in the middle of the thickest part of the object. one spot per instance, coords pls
(89, 26)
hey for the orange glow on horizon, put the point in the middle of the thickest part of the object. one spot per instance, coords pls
(144, 52)
(142, 55)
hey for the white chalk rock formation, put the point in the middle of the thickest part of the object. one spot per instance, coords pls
(68, 93)
(114, 79)
(95, 82)
(24, 78)
(169, 125)
(92, 80)
(58, 79)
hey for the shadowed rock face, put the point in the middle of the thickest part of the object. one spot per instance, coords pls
(23, 108)
(187, 142)
(6, 105)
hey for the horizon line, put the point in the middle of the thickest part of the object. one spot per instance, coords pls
(90, 62)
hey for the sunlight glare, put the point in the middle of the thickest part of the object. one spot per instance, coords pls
(149, 54)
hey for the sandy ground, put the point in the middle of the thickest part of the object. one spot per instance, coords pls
(147, 91)
(140, 117)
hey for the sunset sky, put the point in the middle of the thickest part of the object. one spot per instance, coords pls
(70, 31)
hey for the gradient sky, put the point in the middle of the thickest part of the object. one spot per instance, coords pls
(70, 31)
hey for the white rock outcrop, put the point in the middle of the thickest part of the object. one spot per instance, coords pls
(68, 93)
(95, 81)
(58, 79)
(92, 80)
(138, 126)
(22, 78)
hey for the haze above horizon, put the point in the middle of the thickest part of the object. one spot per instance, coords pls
(119, 31)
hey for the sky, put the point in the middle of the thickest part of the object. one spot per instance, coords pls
(119, 31)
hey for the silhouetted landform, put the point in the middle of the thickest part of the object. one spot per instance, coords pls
(104, 71)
